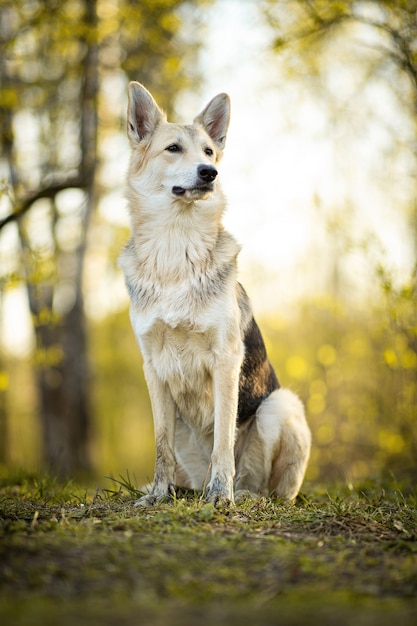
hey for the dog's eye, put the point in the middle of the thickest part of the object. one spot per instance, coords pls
(174, 147)
(208, 151)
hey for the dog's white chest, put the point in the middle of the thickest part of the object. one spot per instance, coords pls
(184, 359)
(180, 352)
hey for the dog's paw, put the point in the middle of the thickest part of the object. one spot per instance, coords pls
(220, 497)
(156, 497)
(147, 501)
(219, 500)
(220, 492)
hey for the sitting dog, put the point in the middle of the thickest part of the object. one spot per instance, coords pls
(222, 422)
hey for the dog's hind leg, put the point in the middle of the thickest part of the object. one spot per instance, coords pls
(272, 454)
(293, 450)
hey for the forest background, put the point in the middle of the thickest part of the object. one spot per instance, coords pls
(320, 171)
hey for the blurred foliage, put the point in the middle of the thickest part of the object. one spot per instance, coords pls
(344, 51)
(314, 22)
(357, 373)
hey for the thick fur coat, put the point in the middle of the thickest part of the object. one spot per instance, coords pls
(222, 423)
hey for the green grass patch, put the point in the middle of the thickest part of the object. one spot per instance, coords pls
(72, 555)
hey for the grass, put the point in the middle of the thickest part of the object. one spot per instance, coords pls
(69, 555)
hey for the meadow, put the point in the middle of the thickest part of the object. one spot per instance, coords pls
(72, 554)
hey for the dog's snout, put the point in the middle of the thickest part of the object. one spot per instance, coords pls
(207, 173)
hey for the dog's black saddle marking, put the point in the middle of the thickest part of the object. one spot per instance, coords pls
(257, 377)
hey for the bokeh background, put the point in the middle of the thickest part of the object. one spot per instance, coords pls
(320, 175)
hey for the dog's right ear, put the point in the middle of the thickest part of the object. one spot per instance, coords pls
(143, 114)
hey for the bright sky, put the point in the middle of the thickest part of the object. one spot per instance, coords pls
(283, 172)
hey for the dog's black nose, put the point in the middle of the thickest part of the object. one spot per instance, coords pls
(207, 173)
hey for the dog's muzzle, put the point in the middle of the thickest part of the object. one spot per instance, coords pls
(205, 177)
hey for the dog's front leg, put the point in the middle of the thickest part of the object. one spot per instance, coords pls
(164, 415)
(225, 391)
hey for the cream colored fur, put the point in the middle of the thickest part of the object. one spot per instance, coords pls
(190, 317)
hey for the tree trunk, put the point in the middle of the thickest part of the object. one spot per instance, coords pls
(64, 394)
(63, 370)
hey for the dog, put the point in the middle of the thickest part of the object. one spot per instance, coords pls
(222, 423)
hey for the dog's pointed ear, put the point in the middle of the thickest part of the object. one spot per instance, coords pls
(215, 118)
(143, 114)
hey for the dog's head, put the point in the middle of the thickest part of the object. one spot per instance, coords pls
(178, 161)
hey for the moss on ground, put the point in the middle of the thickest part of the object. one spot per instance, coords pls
(72, 557)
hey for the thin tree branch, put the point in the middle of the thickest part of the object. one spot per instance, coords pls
(49, 191)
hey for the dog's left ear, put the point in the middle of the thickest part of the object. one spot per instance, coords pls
(215, 118)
